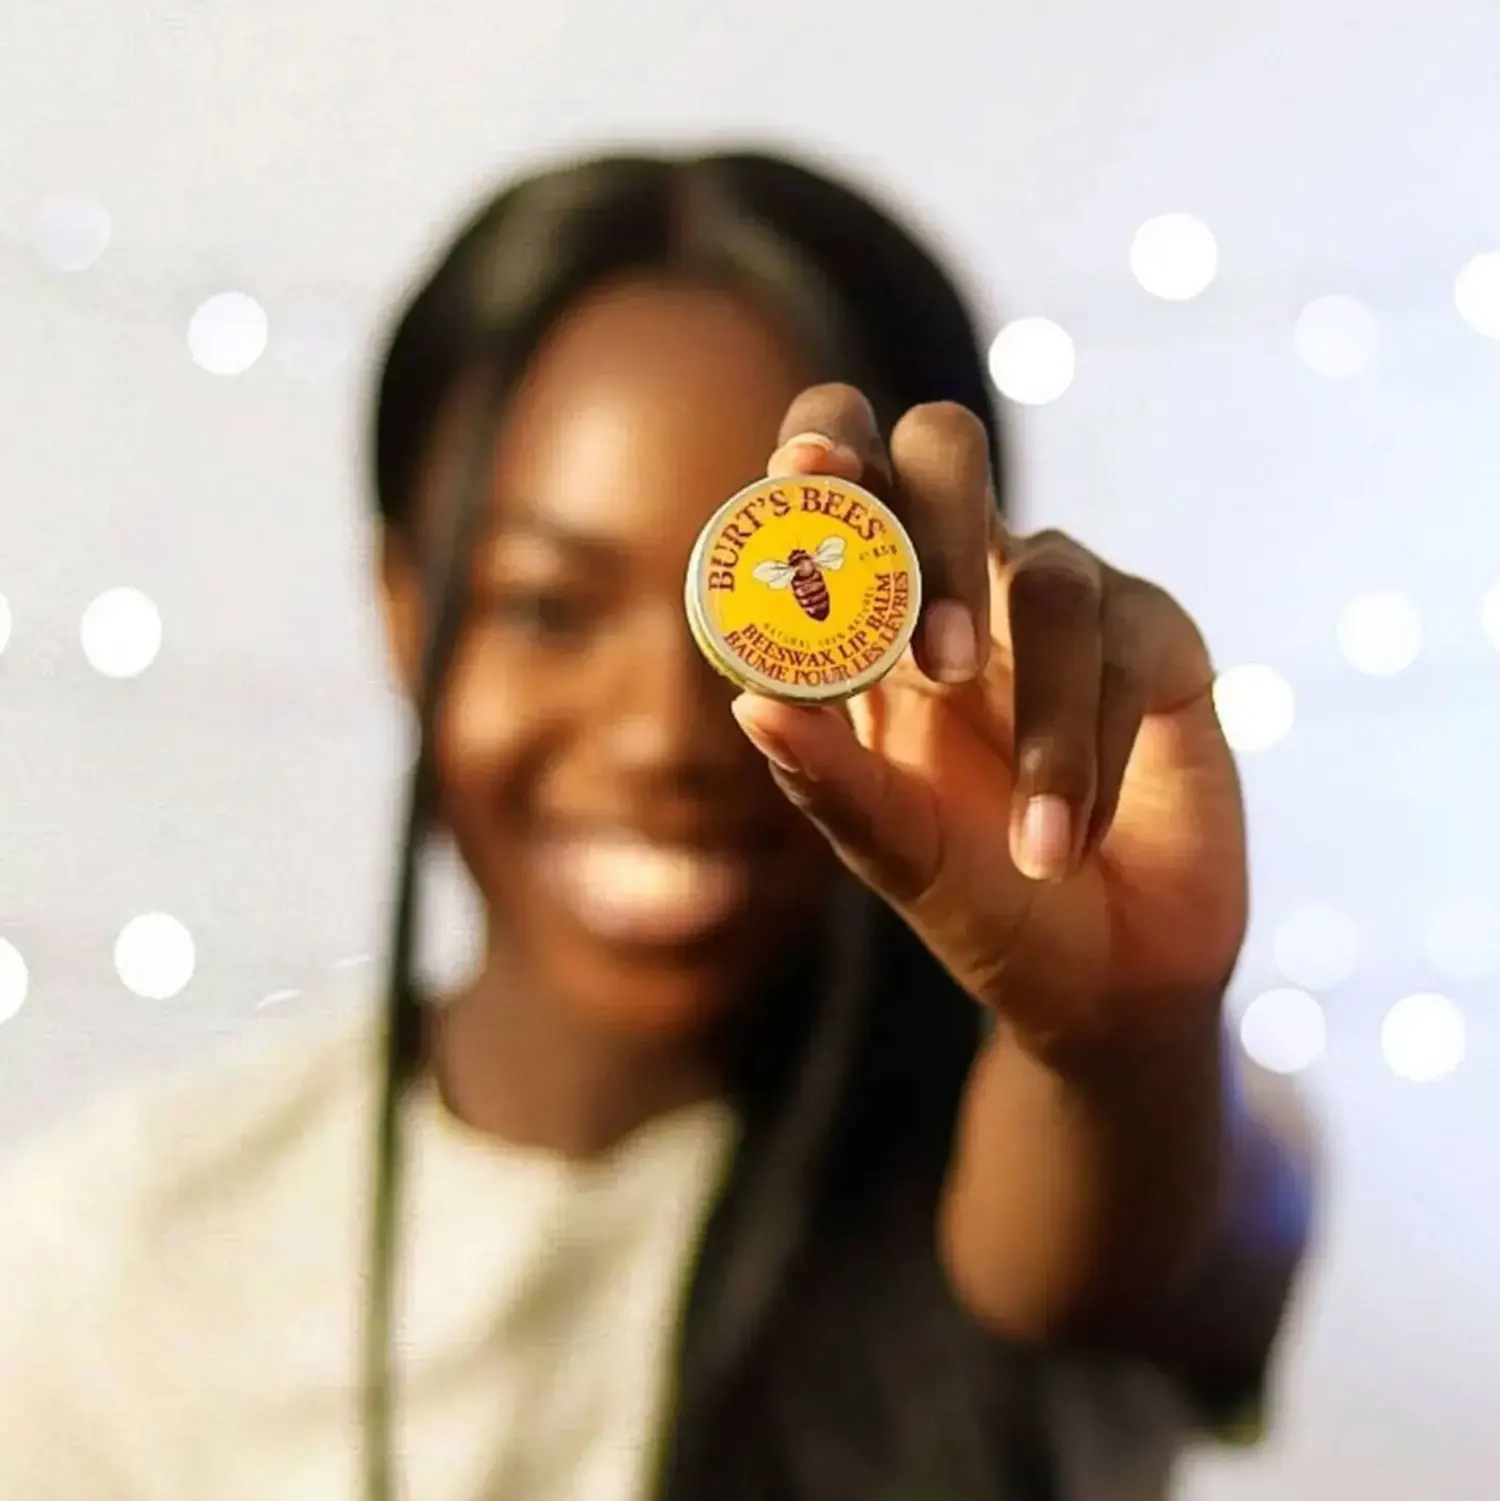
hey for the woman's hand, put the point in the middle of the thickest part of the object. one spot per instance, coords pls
(1041, 788)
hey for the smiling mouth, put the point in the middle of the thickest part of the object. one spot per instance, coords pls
(627, 889)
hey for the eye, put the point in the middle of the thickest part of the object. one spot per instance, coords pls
(554, 616)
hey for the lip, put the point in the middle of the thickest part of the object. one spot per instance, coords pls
(627, 888)
(707, 830)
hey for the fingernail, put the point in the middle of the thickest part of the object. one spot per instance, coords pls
(1046, 842)
(951, 642)
(821, 441)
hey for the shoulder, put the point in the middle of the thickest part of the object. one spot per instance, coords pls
(117, 1180)
(157, 1230)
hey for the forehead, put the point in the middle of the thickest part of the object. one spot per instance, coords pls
(645, 408)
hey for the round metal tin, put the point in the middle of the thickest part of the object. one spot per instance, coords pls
(805, 588)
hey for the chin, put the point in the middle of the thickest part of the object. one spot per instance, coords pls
(651, 992)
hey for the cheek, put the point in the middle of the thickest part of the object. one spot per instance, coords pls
(491, 727)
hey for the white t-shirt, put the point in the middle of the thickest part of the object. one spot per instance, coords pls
(182, 1280)
(182, 1285)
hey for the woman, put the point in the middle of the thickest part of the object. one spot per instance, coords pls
(841, 1107)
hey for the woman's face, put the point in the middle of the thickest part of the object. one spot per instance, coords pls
(637, 861)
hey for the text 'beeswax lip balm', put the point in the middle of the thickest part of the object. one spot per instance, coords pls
(805, 588)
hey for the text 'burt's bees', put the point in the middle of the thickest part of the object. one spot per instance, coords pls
(804, 588)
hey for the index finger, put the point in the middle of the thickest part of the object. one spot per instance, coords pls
(940, 454)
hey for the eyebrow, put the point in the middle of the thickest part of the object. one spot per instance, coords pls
(564, 538)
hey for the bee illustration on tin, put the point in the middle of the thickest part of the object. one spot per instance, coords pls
(803, 572)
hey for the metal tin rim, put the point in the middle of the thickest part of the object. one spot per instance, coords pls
(738, 672)
(697, 629)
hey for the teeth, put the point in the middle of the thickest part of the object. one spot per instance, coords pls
(632, 890)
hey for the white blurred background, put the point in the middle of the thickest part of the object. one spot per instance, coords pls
(1269, 375)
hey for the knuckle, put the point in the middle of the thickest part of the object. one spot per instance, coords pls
(838, 393)
(1057, 552)
(835, 408)
(949, 422)
(1050, 540)
(942, 449)
(1144, 624)
(1054, 587)
(1123, 685)
(1130, 622)
(941, 458)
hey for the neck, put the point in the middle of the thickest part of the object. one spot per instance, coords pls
(536, 1077)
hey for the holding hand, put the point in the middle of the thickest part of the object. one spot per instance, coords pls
(1041, 786)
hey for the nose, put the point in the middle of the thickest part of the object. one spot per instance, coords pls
(668, 710)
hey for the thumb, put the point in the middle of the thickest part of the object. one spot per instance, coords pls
(878, 817)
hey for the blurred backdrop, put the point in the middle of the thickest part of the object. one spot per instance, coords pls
(1242, 264)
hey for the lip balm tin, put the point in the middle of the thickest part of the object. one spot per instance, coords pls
(805, 588)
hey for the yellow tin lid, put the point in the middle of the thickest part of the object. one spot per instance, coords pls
(805, 588)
